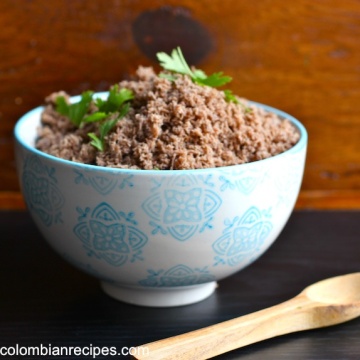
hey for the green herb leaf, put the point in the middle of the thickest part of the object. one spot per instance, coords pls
(199, 75)
(215, 80)
(116, 103)
(176, 63)
(230, 97)
(170, 77)
(124, 110)
(115, 99)
(62, 106)
(96, 142)
(115, 107)
(106, 126)
(75, 112)
(95, 117)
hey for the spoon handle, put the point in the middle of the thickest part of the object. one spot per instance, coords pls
(205, 343)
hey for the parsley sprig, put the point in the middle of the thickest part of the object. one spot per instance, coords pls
(176, 63)
(117, 105)
(108, 113)
(77, 111)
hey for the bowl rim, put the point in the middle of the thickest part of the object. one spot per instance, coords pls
(37, 111)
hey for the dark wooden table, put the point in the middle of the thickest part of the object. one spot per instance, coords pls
(44, 300)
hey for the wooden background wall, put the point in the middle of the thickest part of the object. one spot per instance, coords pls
(300, 56)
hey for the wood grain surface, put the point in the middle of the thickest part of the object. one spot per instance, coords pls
(302, 57)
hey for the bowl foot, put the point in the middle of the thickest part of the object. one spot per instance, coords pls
(160, 297)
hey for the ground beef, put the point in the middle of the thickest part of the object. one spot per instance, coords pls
(171, 125)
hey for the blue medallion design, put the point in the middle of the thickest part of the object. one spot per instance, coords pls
(40, 190)
(179, 275)
(109, 235)
(243, 181)
(184, 210)
(103, 184)
(242, 237)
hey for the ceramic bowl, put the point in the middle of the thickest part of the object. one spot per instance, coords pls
(158, 238)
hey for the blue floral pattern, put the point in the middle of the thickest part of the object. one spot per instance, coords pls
(179, 275)
(182, 206)
(242, 238)
(103, 184)
(242, 181)
(109, 235)
(41, 192)
(183, 211)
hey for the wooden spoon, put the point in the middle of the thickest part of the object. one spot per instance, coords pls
(328, 302)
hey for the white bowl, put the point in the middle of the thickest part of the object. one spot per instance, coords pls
(158, 238)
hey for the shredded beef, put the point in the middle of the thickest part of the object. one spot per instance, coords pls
(171, 125)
